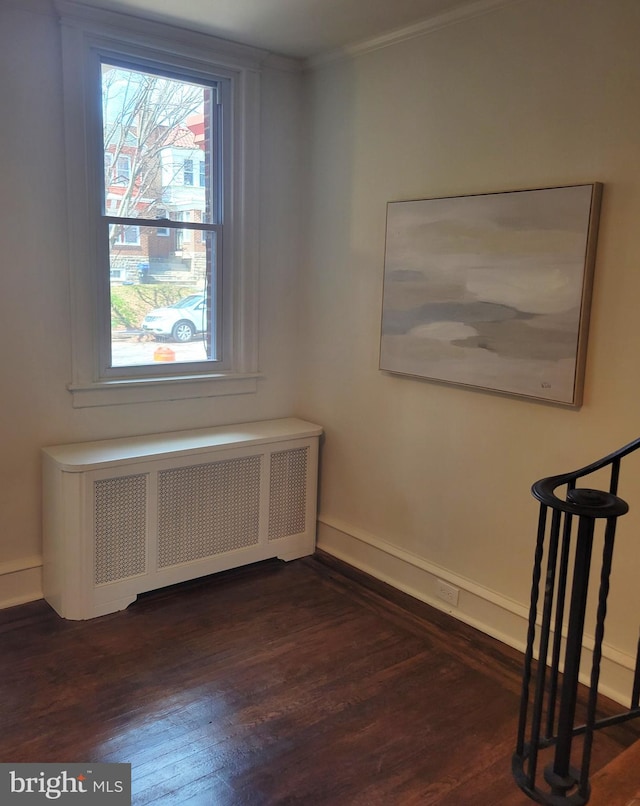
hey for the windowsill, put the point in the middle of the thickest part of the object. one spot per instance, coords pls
(149, 390)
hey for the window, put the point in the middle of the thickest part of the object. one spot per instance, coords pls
(124, 236)
(162, 232)
(163, 107)
(187, 172)
(149, 236)
(123, 170)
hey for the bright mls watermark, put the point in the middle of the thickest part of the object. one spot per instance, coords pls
(93, 784)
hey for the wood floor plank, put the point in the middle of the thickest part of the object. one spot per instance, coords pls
(275, 684)
(619, 781)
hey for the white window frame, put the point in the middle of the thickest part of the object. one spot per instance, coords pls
(88, 35)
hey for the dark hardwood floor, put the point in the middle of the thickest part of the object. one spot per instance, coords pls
(273, 684)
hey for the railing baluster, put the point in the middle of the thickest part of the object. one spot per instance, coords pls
(563, 783)
(531, 632)
(545, 630)
(557, 638)
(635, 695)
(559, 776)
(615, 476)
(607, 557)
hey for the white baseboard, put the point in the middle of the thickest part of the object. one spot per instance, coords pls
(20, 582)
(486, 610)
(490, 612)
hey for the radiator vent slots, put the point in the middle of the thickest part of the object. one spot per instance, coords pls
(207, 510)
(130, 515)
(120, 528)
(288, 493)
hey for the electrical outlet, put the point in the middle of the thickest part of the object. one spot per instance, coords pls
(448, 593)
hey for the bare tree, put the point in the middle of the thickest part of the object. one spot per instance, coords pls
(142, 115)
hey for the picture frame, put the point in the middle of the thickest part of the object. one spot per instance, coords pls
(492, 291)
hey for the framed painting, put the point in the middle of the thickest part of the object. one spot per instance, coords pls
(492, 291)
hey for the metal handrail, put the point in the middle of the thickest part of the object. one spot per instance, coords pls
(549, 700)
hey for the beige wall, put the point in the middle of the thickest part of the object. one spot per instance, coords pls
(421, 480)
(35, 406)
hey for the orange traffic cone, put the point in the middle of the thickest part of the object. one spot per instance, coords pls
(164, 354)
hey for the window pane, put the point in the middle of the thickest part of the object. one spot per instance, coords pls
(123, 170)
(187, 172)
(157, 140)
(159, 296)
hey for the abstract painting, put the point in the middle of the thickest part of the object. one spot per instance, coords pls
(492, 290)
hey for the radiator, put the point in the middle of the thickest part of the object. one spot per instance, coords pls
(125, 516)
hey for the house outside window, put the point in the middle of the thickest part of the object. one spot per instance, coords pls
(162, 109)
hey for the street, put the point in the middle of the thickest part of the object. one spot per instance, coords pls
(140, 349)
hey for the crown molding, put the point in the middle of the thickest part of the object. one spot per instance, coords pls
(102, 21)
(468, 11)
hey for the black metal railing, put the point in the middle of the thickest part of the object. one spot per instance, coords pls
(553, 730)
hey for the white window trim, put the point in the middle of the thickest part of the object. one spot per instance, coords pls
(86, 31)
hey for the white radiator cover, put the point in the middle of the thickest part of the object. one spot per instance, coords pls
(125, 516)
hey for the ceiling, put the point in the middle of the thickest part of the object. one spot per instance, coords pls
(299, 28)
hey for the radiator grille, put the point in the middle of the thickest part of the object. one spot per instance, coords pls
(208, 509)
(120, 528)
(288, 493)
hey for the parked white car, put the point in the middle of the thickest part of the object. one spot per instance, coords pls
(180, 321)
